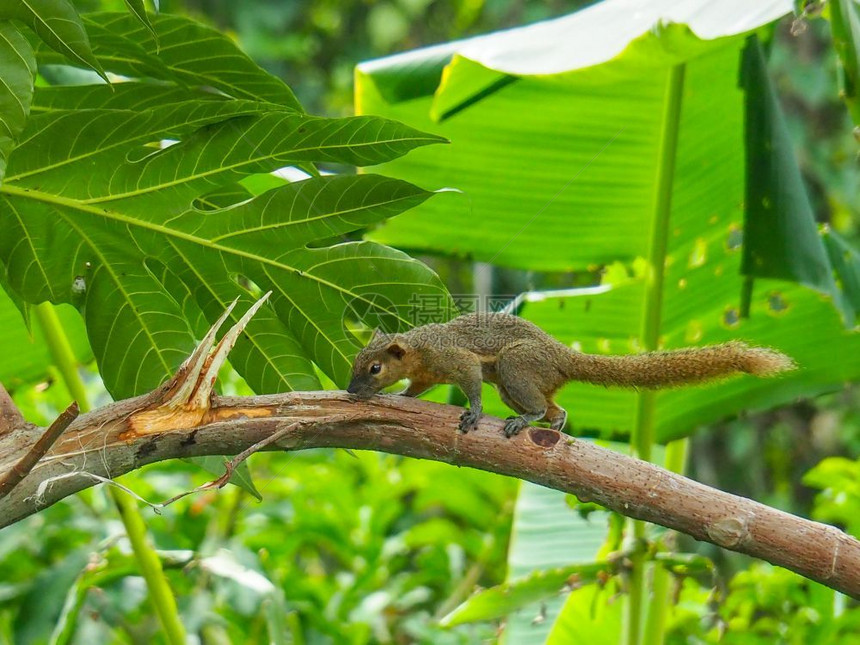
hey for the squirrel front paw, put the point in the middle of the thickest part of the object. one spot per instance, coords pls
(513, 425)
(468, 420)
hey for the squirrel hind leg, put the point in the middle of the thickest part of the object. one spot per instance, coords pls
(520, 392)
(556, 416)
(508, 400)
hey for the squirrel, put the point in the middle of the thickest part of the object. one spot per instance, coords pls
(528, 366)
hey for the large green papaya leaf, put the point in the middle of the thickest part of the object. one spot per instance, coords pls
(65, 249)
(18, 71)
(129, 202)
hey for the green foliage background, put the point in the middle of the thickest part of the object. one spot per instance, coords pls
(378, 548)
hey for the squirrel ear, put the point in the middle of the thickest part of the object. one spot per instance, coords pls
(396, 350)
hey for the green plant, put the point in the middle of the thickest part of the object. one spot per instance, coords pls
(148, 203)
(653, 175)
(103, 214)
(642, 161)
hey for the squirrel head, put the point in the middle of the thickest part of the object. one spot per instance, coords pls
(383, 362)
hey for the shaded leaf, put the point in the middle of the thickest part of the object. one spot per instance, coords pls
(58, 25)
(508, 597)
(43, 606)
(546, 535)
(186, 53)
(99, 574)
(138, 9)
(780, 234)
(118, 96)
(18, 71)
(846, 264)
(845, 21)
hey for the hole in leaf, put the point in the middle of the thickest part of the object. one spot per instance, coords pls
(731, 317)
(699, 254)
(148, 150)
(776, 303)
(694, 332)
(247, 284)
(375, 311)
(79, 285)
(735, 238)
(222, 198)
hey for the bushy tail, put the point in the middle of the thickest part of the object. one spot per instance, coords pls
(678, 367)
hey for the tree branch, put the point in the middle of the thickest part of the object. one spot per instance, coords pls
(10, 416)
(102, 443)
(184, 419)
(10, 479)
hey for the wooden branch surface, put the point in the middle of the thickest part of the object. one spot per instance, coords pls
(127, 435)
(10, 416)
(18, 471)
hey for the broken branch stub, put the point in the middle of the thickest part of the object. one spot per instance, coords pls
(186, 398)
(10, 479)
(165, 424)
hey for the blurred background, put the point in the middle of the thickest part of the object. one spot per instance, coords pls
(375, 548)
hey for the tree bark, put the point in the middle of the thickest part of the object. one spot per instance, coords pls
(124, 436)
(10, 416)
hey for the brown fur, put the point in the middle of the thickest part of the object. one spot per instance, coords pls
(528, 366)
(679, 367)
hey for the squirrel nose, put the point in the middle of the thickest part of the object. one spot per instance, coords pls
(352, 388)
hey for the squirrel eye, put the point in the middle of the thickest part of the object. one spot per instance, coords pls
(376, 368)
